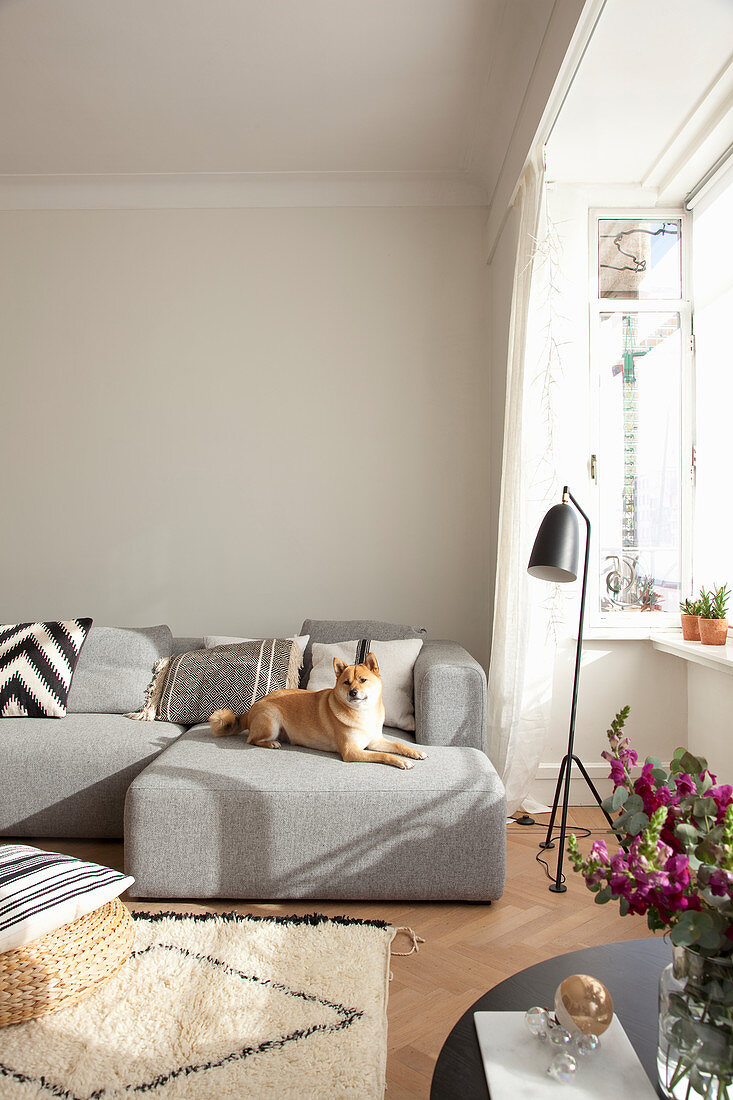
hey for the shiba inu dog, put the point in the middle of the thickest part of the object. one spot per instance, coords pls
(347, 719)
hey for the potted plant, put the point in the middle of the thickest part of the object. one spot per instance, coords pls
(648, 597)
(675, 864)
(690, 610)
(713, 612)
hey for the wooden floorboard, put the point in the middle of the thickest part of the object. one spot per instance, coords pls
(468, 948)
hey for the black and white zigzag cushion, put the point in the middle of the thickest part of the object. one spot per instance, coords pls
(41, 891)
(37, 661)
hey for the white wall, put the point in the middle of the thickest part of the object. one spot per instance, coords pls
(230, 419)
(710, 705)
(613, 674)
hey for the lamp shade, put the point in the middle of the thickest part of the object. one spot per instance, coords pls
(555, 552)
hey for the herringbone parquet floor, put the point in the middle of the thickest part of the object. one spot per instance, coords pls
(468, 948)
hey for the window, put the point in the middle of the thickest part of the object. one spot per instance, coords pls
(642, 417)
(713, 285)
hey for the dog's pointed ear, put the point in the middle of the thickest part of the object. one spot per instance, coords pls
(339, 666)
(372, 663)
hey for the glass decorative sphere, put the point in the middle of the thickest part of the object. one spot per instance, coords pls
(559, 1036)
(562, 1068)
(537, 1020)
(586, 1044)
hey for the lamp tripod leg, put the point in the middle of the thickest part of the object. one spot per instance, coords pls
(593, 791)
(548, 841)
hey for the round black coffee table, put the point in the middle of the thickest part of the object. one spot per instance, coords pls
(631, 972)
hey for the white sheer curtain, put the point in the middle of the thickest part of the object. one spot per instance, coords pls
(523, 649)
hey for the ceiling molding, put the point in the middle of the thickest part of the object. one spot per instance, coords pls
(698, 141)
(568, 30)
(234, 190)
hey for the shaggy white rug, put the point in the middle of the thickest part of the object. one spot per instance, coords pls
(211, 1007)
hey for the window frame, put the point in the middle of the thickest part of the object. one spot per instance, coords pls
(641, 623)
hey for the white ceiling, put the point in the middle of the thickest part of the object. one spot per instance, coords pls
(273, 87)
(652, 102)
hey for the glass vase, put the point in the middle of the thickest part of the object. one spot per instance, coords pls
(695, 1047)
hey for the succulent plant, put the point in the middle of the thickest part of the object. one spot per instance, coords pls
(714, 604)
(690, 607)
(720, 600)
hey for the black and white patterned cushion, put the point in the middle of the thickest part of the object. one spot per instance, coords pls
(233, 676)
(37, 662)
(41, 891)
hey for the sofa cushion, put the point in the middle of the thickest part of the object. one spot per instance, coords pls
(211, 641)
(396, 664)
(343, 630)
(185, 645)
(221, 818)
(69, 777)
(234, 676)
(115, 668)
(37, 662)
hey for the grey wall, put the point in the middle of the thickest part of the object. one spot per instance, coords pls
(230, 419)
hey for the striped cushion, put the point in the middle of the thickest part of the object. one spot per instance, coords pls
(41, 891)
(233, 676)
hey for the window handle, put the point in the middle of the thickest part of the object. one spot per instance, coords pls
(594, 468)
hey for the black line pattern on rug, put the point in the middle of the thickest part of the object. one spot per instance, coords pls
(230, 970)
(349, 1016)
(312, 919)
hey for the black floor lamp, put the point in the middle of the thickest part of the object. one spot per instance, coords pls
(554, 558)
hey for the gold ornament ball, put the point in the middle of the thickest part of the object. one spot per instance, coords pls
(582, 1003)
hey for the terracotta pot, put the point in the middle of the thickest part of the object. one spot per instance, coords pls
(690, 628)
(713, 631)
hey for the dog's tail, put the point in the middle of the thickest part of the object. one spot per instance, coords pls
(225, 722)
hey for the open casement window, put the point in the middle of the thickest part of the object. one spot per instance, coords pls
(641, 464)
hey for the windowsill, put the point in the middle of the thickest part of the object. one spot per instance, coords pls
(618, 634)
(719, 657)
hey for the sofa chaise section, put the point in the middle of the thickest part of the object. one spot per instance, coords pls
(221, 818)
(68, 777)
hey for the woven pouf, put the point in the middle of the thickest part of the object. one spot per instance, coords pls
(64, 965)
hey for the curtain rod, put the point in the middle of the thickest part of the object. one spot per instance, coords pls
(701, 185)
(576, 69)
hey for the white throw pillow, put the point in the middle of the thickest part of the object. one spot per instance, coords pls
(211, 641)
(396, 667)
(41, 891)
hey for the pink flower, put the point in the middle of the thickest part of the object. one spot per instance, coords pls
(644, 787)
(717, 880)
(723, 796)
(686, 785)
(618, 775)
(664, 797)
(598, 862)
(599, 851)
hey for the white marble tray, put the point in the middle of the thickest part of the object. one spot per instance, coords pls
(516, 1064)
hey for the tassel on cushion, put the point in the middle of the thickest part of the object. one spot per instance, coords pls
(153, 693)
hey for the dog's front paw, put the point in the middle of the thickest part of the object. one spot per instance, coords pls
(420, 755)
(403, 763)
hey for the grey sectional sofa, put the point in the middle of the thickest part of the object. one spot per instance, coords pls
(220, 818)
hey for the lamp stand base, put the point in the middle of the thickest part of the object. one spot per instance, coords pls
(558, 886)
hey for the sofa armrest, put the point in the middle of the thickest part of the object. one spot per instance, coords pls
(450, 697)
